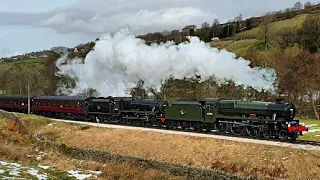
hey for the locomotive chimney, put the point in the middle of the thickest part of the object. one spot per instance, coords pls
(279, 100)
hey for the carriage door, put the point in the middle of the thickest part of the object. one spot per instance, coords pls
(210, 112)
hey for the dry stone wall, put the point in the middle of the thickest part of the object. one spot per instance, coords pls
(173, 169)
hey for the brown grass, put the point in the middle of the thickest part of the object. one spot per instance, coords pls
(233, 157)
(18, 147)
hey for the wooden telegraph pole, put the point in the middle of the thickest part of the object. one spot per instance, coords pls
(28, 98)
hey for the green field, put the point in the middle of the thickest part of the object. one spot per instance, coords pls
(240, 47)
(314, 125)
(276, 26)
(24, 63)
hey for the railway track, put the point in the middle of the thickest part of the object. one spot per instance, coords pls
(304, 142)
(228, 134)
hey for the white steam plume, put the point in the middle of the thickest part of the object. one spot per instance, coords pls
(119, 61)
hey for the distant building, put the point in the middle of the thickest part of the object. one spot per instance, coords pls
(189, 30)
(215, 39)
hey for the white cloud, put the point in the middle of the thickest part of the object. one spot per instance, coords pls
(141, 21)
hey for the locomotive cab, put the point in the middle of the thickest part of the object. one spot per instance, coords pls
(209, 111)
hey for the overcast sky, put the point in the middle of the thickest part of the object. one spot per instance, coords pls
(31, 25)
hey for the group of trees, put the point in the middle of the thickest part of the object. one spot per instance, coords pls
(294, 54)
(15, 79)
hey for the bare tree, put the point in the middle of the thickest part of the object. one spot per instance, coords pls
(206, 32)
(205, 25)
(309, 34)
(216, 22)
(307, 5)
(265, 32)
(306, 76)
(286, 37)
(297, 6)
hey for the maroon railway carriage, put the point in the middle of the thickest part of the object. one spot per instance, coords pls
(14, 103)
(61, 106)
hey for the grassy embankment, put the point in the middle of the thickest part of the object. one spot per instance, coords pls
(243, 159)
(19, 148)
(24, 63)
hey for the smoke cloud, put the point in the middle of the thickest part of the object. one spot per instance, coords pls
(119, 61)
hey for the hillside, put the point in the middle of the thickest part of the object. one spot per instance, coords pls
(36, 62)
(241, 46)
(276, 26)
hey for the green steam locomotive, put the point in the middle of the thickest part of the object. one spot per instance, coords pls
(239, 117)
